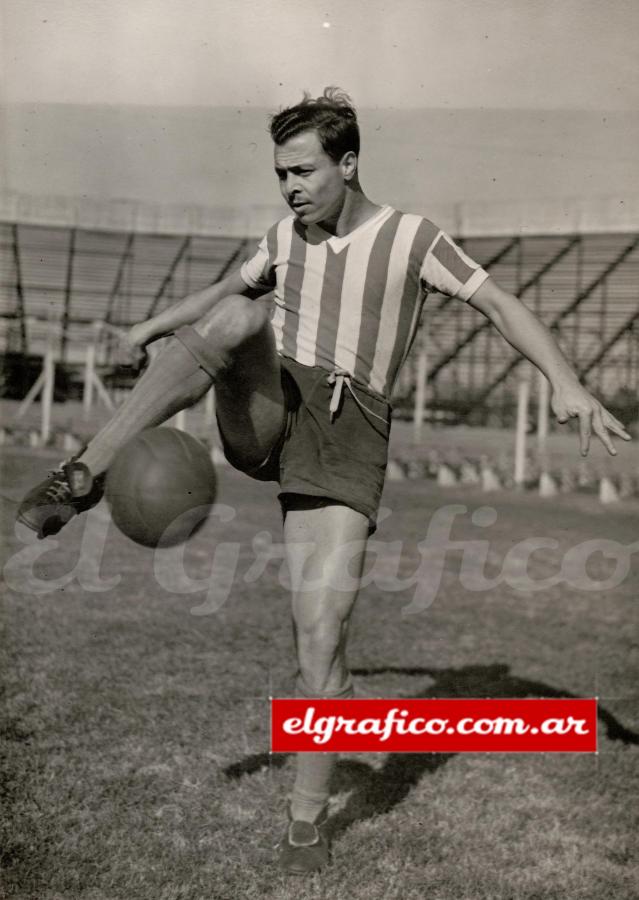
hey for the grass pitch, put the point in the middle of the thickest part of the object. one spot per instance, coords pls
(135, 711)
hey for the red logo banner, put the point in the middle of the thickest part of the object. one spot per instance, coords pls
(434, 726)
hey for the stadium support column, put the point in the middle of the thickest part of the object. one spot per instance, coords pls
(47, 395)
(166, 281)
(89, 370)
(67, 296)
(542, 413)
(20, 308)
(523, 397)
(43, 387)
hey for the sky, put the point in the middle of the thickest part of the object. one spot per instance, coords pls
(551, 54)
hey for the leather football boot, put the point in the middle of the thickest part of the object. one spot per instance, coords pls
(68, 490)
(304, 848)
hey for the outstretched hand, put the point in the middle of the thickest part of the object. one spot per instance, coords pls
(574, 401)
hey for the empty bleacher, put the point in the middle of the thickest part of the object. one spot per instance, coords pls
(585, 287)
(75, 277)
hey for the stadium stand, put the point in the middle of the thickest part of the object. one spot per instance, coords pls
(583, 285)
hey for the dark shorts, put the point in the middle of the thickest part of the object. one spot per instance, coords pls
(317, 461)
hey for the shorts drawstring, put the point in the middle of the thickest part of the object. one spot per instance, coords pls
(339, 378)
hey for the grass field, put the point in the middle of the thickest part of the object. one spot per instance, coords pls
(135, 714)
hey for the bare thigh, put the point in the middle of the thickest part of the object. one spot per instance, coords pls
(249, 399)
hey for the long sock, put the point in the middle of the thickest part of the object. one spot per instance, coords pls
(174, 380)
(313, 778)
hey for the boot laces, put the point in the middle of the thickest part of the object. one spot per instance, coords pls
(59, 490)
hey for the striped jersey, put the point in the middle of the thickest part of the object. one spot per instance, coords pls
(353, 302)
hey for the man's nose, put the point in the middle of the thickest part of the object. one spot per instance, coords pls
(292, 184)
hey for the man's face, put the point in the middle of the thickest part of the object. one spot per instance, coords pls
(313, 185)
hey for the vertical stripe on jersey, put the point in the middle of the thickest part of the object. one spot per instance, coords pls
(412, 333)
(352, 300)
(280, 251)
(410, 302)
(330, 302)
(309, 309)
(293, 289)
(396, 281)
(374, 292)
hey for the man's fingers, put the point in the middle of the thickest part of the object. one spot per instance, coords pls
(615, 425)
(592, 416)
(140, 358)
(602, 433)
(584, 432)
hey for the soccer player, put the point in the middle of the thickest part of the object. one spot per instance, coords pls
(302, 391)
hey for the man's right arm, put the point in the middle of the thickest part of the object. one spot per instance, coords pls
(188, 310)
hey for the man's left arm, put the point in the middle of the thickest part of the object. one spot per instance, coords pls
(523, 330)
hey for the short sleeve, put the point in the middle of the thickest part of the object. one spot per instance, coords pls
(447, 269)
(259, 271)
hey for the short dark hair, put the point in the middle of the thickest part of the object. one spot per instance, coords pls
(332, 116)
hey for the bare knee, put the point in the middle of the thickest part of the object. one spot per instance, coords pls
(234, 320)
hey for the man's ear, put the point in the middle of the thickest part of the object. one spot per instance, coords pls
(349, 165)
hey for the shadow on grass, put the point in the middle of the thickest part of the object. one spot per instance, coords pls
(376, 791)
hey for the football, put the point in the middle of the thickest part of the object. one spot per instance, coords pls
(161, 487)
